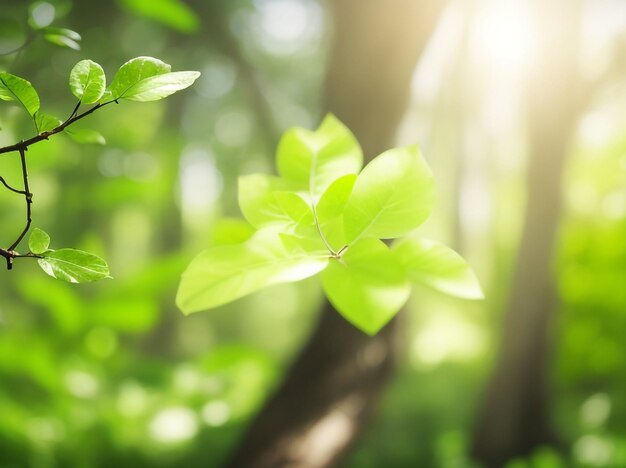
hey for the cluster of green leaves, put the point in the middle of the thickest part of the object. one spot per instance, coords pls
(140, 79)
(323, 214)
(71, 265)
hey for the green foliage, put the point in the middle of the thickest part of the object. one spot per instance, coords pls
(71, 265)
(319, 216)
(172, 13)
(139, 79)
(87, 81)
(14, 88)
(148, 79)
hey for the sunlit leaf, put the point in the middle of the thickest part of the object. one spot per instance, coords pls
(74, 266)
(87, 81)
(62, 41)
(157, 87)
(61, 32)
(313, 160)
(39, 241)
(46, 122)
(330, 210)
(14, 88)
(265, 201)
(85, 136)
(132, 72)
(225, 273)
(437, 266)
(392, 196)
(368, 286)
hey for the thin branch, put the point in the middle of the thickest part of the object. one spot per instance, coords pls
(46, 135)
(27, 196)
(4, 182)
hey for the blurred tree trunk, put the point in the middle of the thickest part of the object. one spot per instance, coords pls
(331, 389)
(515, 415)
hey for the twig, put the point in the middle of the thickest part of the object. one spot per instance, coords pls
(27, 196)
(4, 182)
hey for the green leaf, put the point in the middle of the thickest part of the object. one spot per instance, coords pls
(368, 286)
(330, 210)
(171, 13)
(160, 86)
(231, 231)
(313, 160)
(85, 136)
(61, 32)
(132, 72)
(74, 266)
(87, 81)
(393, 195)
(265, 201)
(46, 122)
(62, 41)
(14, 88)
(39, 241)
(438, 266)
(225, 273)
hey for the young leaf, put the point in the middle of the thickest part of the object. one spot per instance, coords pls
(39, 241)
(14, 88)
(368, 286)
(62, 41)
(160, 86)
(46, 122)
(330, 210)
(313, 160)
(132, 72)
(74, 266)
(225, 273)
(265, 201)
(85, 136)
(61, 32)
(87, 81)
(392, 196)
(437, 266)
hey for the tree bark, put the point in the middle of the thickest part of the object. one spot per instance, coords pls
(515, 415)
(331, 389)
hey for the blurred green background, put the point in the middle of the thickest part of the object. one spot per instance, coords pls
(112, 374)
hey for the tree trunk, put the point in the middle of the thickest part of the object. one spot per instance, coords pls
(332, 387)
(515, 415)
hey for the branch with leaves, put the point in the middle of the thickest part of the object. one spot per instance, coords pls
(140, 79)
(325, 215)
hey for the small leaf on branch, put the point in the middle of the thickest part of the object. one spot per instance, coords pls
(46, 122)
(87, 81)
(39, 241)
(14, 88)
(62, 41)
(74, 266)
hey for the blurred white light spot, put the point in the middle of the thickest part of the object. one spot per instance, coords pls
(286, 25)
(233, 128)
(81, 384)
(186, 379)
(330, 432)
(131, 400)
(42, 13)
(173, 425)
(200, 181)
(595, 411)
(614, 205)
(111, 163)
(215, 413)
(593, 450)
(217, 80)
(447, 339)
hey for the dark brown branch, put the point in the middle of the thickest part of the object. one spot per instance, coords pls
(4, 182)
(46, 135)
(29, 200)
